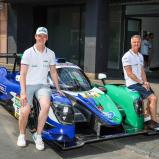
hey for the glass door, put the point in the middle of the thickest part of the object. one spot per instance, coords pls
(66, 32)
(133, 26)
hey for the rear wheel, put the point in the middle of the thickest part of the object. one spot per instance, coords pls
(33, 116)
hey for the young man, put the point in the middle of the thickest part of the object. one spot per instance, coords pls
(133, 66)
(35, 64)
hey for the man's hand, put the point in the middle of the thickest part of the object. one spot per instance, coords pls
(60, 92)
(23, 100)
(146, 85)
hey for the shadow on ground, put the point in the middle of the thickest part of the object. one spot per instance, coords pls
(143, 144)
(87, 150)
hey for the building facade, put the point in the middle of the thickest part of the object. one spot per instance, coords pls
(3, 27)
(94, 34)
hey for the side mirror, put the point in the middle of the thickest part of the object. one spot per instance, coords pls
(102, 77)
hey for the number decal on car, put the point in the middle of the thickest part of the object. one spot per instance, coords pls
(16, 104)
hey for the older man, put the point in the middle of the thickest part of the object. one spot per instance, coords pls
(133, 66)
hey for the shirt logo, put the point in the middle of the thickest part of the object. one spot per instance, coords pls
(34, 65)
(43, 30)
(46, 61)
(125, 59)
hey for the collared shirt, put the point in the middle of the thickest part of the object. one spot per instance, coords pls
(136, 62)
(145, 47)
(38, 65)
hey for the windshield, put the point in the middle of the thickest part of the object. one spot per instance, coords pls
(72, 79)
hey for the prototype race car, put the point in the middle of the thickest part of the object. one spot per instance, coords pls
(85, 113)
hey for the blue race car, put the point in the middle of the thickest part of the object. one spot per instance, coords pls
(85, 113)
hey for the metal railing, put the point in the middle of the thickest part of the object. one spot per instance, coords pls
(15, 56)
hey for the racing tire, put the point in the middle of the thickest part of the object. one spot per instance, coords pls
(33, 116)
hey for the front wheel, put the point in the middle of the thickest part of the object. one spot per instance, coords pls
(33, 116)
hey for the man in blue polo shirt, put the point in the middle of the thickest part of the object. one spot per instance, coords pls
(135, 77)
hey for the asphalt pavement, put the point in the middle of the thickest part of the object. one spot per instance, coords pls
(8, 138)
(136, 147)
(112, 149)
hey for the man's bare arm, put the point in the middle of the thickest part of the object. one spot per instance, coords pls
(143, 74)
(129, 72)
(23, 73)
(54, 76)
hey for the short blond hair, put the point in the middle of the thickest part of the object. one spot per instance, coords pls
(136, 36)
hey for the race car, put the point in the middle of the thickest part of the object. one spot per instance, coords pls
(85, 113)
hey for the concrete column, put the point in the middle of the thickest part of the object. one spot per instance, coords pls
(3, 27)
(12, 28)
(96, 37)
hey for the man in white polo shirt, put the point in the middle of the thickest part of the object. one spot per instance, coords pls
(35, 65)
(133, 67)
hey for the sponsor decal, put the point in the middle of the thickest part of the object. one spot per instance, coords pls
(46, 65)
(17, 78)
(95, 92)
(17, 101)
(3, 88)
(16, 104)
(46, 61)
(109, 115)
(125, 59)
(34, 65)
(89, 94)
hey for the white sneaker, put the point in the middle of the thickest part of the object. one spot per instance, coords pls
(147, 118)
(21, 142)
(38, 141)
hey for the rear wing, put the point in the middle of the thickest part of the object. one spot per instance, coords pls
(15, 56)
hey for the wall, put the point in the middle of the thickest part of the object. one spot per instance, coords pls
(96, 36)
(3, 27)
(12, 29)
